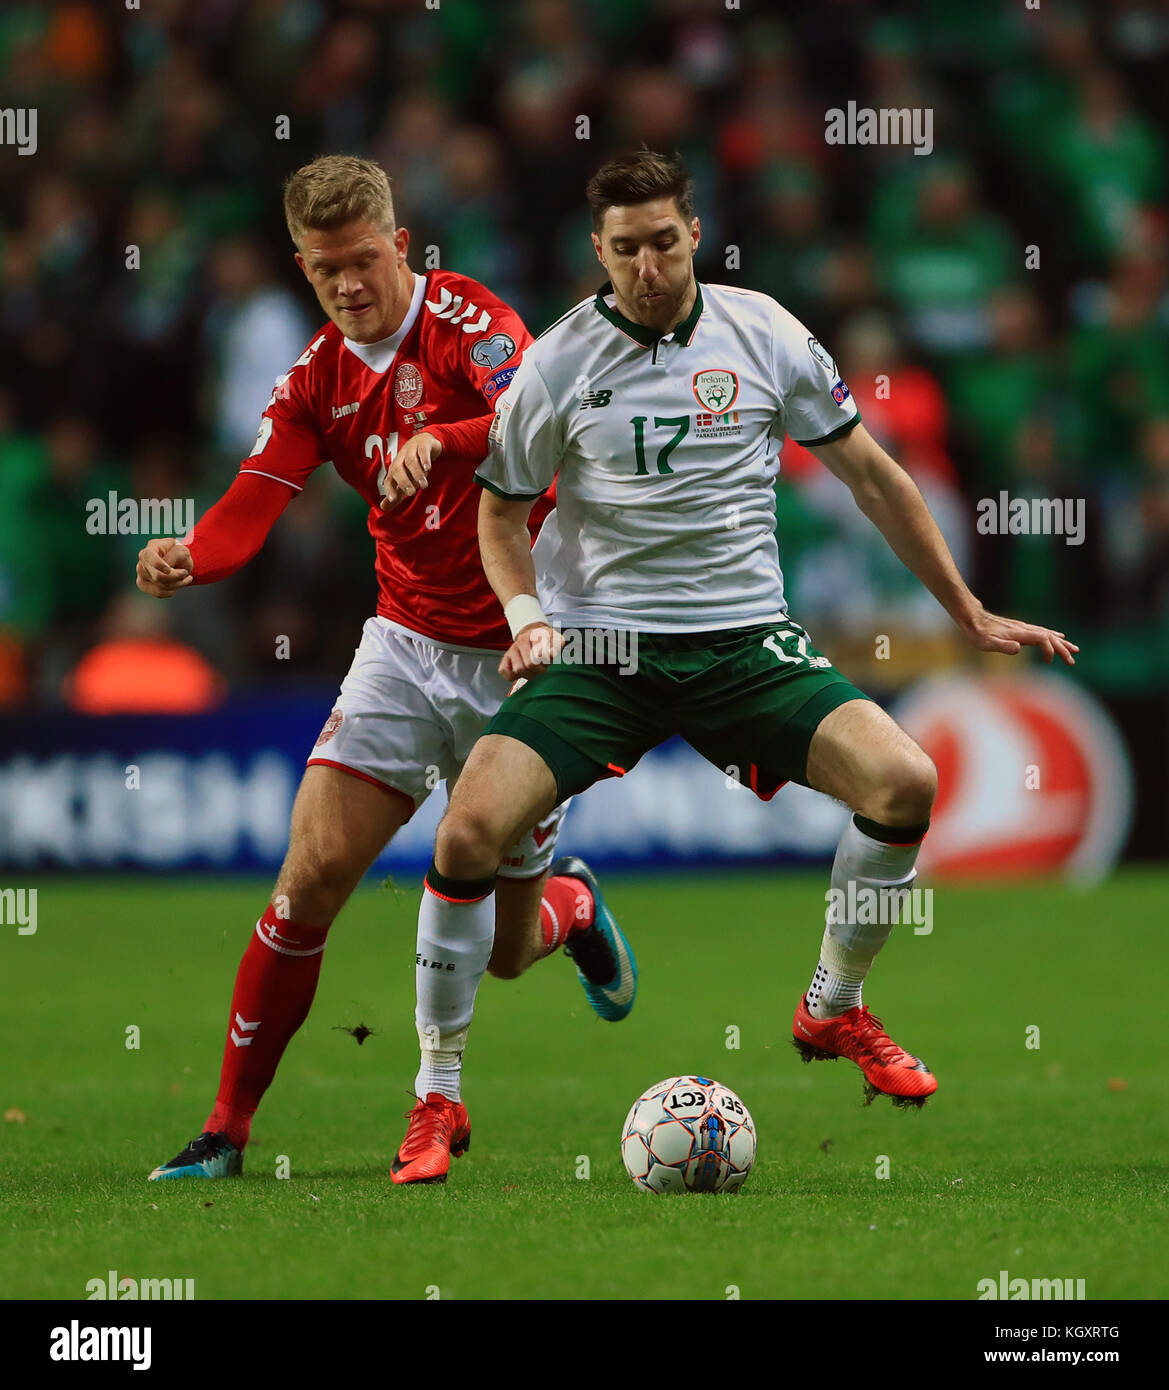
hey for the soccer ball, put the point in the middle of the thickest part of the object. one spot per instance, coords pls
(688, 1133)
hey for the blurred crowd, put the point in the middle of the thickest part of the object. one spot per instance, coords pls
(999, 308)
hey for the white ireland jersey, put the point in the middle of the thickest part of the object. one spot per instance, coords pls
(664, 453)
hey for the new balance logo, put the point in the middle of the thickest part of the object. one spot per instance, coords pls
(245, 1027)
(596, 400)
(451, 307)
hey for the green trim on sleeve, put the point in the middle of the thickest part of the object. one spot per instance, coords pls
(509, 496)
(838, 433)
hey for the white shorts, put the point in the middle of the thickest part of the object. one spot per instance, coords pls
(407, 717)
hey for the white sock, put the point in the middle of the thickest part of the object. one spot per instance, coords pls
(849, 947)
(454, 946)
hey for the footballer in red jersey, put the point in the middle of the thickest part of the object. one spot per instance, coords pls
(356, 404)
(397, 393)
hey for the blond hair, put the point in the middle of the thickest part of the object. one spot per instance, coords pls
(335, 189)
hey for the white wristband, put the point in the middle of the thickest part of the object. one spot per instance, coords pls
(523, 610)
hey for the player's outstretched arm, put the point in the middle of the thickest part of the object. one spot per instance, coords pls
(506, 548)
(890, 498)
(223, 540)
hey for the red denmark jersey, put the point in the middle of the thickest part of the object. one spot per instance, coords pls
(355, 405)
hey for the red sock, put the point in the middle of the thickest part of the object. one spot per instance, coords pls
(565, 908)
(274, 988)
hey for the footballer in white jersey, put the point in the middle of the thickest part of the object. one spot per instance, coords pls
(666, 447)
(659, 407)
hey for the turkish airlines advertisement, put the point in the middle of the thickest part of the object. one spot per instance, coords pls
(1034, 779)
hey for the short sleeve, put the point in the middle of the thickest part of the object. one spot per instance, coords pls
(817, 404)
(526, 440)
(492, 360)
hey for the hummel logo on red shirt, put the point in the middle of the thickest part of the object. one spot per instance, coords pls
(451, 307)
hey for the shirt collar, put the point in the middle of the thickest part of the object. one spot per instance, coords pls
(646, 337)
(379, 356)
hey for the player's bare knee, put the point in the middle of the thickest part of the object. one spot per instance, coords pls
(907, 795)
(466, 845)
(314, 886)
(505, 964)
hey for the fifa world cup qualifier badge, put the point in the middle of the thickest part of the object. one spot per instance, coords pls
(840, 392)
(493, 351)
(822, 355)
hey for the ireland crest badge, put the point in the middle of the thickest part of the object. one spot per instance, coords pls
(716, 390)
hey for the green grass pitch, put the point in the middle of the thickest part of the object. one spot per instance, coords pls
(1048, 1161)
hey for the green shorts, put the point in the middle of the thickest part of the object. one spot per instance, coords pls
(748, 699)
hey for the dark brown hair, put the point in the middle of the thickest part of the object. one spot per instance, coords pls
(640, 178)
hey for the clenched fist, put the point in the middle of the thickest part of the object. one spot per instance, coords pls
(535, 648)
(164, 567)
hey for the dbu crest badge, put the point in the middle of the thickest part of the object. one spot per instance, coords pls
(407, 385)
(332, 724)
(716, 390)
